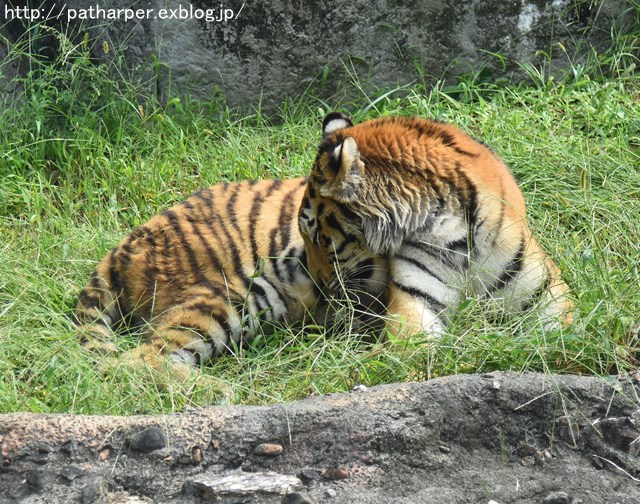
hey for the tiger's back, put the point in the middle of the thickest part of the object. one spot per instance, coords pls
(204, 275)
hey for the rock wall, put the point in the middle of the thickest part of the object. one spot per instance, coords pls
(264, 52)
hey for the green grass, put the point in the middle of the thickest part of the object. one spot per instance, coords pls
(84, 157)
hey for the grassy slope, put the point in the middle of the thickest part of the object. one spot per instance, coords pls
(79, 171)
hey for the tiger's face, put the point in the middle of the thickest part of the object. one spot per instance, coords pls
(337, 256)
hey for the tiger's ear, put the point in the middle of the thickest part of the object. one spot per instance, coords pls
(344, 173)
(334, 122)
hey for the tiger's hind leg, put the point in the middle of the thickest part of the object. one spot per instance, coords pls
(190, 333)
(532, 279)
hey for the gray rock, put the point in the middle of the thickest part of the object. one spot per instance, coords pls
(309, 475)
(147, 440)
(248, 484)
(557, 498)
(298, 498)
(261, 53)
(35, 478)
(71, 473)
(93, 490)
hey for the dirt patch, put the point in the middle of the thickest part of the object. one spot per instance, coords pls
(499, 437)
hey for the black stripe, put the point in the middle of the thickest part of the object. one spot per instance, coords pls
(292, 263)
(449, 141)
(89, 301)
(470, 203)
(211, 253)
(333, 223)
(349, 239)
(94, 281)
(233, 250)
(363, 271)
(275, 186)
(175, 222)
(263, 294)
(230, 246)
(258, 200)
(262, 301)
(438, 253)
(421, 266)
(287, 213)
(415, 292)
(537, 294)
(151, 270)
(513, 268)
(210, 311)
(231, 208)
(461, 245)
(115, 279)
(347, 212)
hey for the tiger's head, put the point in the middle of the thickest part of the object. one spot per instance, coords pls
(337, 253)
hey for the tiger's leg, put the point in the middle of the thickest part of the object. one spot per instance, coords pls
(531, 278)
(425, 283)
(191, 333)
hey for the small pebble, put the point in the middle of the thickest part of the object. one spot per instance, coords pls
(528, 461)
(196, 455)
(597, 462)
(557, 498)
(331, 493)
(146, 441)
(525, 450)
(307, 475)
(44, 448)
(104, 453)
(93, 490)
(298, 498)
(71, 472)
(337, 473)
(268, 450)
(67, 447)
(444, 449)
(34, 478)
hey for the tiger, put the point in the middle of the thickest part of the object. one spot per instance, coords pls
(442, 208)
(205, 276)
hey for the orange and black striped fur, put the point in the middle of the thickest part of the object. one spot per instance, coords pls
(205, 275)
(443, 209)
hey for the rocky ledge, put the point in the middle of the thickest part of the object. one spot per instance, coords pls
(493, 438)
